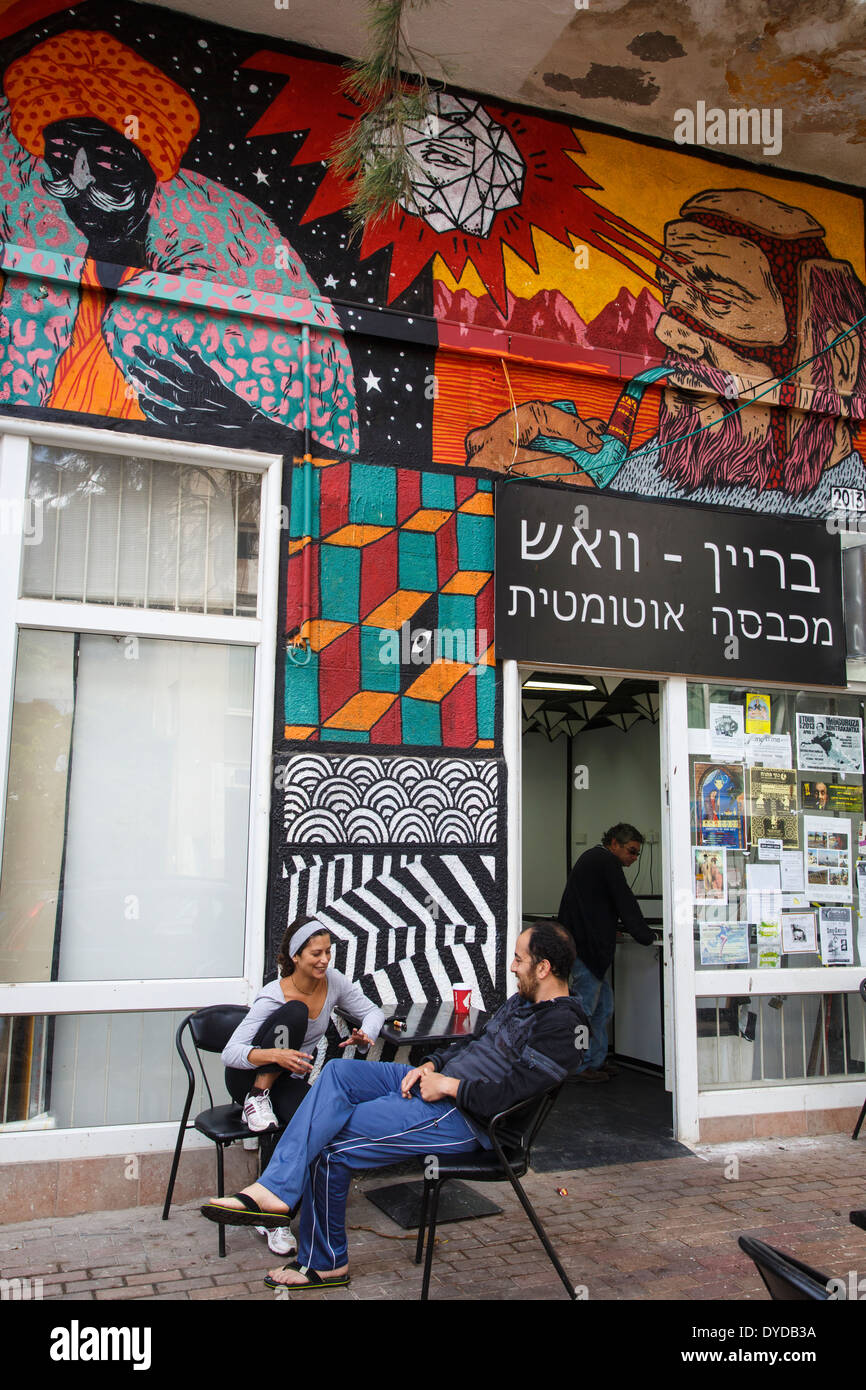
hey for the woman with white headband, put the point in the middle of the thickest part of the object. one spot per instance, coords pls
(270, 1055)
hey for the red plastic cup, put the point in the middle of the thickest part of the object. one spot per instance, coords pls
(462, 995)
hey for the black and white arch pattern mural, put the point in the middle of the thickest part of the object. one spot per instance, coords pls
(406, 926)
(362, 800)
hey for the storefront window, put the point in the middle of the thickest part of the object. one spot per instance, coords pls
(77, 1071)
(778, 828)
(750, 1040)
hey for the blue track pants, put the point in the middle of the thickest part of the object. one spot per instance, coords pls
(353, 1117)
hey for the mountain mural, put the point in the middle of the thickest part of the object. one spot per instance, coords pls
(624, 325)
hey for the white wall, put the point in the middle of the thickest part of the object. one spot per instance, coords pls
(623, 785)
(544, 799)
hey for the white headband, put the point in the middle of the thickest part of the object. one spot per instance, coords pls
(303, 934)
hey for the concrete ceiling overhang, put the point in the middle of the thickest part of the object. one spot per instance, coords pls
(632, 65)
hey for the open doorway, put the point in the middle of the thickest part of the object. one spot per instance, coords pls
(591, 759)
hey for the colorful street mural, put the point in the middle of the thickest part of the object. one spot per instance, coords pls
(400, 650)
(553, 300)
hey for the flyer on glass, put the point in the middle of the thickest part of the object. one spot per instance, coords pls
(827, 859)
(726, 733)
(832, 796)
(724, 943)
(829, 743)
(720, 817)
(773, 750)
(799, 933)
(837, 944)
(773, 805)
(711, 873)
(757, 714)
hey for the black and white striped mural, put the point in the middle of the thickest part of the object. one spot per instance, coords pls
(407, 927)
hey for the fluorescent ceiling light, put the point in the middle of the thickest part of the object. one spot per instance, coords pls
(555, 685)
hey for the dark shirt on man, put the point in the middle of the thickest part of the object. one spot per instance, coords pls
(596, 898)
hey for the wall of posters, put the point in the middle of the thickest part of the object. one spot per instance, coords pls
(829, 742)
(828, 863)
(719, 804)
(773, 805)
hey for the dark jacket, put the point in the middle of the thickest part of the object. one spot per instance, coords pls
(596, 898)
(521, 1050)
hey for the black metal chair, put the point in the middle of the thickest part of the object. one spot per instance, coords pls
(209, 1030)
(786, 1279)
(862, 1114)
(512, 1134)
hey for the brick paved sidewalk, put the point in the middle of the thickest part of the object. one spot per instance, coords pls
(660, 1230)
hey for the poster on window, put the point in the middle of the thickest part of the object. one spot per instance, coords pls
(829, 743)
(837, 943)
(757, 714)
(773, 805)
(726, 733)
(832, 796)
(799, 933)
(771, 750)
(724, 943)
(827, 859)
(720, 817)
(711, 874)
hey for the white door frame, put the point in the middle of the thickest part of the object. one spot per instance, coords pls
(679, 1014)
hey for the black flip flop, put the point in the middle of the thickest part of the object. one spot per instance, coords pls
(314, 1281)
(251, 1216)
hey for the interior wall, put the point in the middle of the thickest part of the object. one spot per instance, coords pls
(544, 802)
(621, 782)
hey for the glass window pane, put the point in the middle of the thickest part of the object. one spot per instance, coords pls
(767, 1040)
(143, 533)
(77, 1071)
(126, 847)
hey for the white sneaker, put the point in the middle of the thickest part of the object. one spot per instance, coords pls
(258, 1112)
(282, 1242)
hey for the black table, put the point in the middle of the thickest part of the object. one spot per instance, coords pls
(427, 1026)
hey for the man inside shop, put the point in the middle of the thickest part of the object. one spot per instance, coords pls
(597, 902)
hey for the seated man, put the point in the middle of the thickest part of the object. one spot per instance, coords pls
(370, 1114)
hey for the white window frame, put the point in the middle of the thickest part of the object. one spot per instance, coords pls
(688, 985)
(122, 996)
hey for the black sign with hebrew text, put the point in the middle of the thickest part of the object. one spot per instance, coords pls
(591, 580)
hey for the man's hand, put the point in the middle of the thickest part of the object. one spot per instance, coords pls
(413, 1077)
(507, 439)
(435, 1086)
(357, 1039)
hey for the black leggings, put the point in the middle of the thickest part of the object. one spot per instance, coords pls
(288, 1090)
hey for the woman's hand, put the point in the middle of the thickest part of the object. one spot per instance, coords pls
(300, 1063)
(357, 1039)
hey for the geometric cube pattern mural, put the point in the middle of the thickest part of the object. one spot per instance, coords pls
(401, 608)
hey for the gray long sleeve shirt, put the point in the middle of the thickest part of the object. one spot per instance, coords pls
(342, 993)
